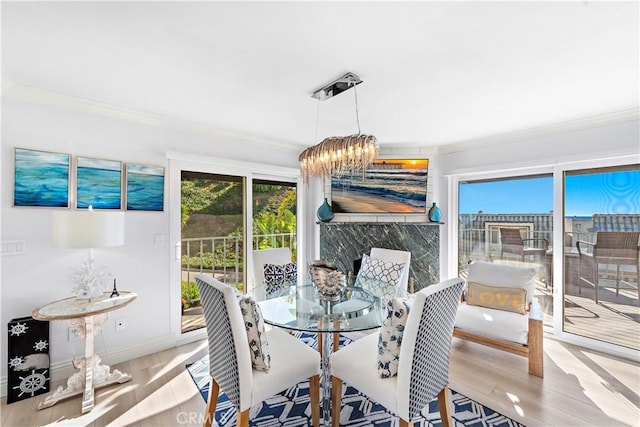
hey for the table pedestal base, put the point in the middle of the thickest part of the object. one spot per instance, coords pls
(76, 384)
(325, 382)
(91, 372)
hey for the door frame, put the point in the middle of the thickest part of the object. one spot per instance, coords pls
(215, 165)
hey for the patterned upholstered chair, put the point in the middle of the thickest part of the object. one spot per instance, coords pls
(392, 255)
(292, 361)
(423, 367)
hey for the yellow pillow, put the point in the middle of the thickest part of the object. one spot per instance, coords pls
(497, 297)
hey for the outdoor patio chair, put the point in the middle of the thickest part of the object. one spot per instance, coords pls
(619, 248)
(513, 243)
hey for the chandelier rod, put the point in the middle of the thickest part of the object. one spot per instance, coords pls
(355, 94)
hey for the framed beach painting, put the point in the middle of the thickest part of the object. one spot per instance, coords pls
(41, 178)
(396, 186)
(145, 187)
(99, 183)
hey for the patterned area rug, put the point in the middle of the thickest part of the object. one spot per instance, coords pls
(291, 407)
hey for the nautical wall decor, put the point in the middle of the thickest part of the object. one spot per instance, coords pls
(28, 357)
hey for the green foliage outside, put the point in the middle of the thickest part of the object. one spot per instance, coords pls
(210, 206)
(208, 261)
(190, 295)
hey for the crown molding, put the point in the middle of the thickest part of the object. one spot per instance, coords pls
(599, 120)
(18, 91)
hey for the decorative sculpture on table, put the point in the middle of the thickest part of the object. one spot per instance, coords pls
(327, 278)
(89, 281)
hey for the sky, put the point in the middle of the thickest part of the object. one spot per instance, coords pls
(585, 194)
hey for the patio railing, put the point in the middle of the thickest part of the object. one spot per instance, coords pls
(223, 257)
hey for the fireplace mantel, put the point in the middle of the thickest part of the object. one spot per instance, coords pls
(344, 242)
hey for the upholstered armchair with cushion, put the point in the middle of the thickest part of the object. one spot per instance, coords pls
(496, 311)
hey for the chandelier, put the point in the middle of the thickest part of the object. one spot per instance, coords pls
(339, 154)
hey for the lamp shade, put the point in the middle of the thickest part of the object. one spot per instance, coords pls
(88, 229)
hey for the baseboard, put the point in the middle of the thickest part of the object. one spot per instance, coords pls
(63, 369)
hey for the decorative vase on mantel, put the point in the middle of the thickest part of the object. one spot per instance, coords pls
(434, 213)
(324, 212)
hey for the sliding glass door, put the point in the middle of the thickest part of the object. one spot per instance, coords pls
(601, 255)
(591, 295)
(214, 216)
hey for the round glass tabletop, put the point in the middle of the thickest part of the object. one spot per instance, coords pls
(303, 308)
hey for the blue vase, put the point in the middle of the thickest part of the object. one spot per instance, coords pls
(434, 213)
(324, 213)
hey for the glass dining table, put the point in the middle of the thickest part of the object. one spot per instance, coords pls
(303, 308)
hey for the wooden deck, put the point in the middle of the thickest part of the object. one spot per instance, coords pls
(615, 319)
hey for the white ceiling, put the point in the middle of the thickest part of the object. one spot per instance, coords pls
(434, 72)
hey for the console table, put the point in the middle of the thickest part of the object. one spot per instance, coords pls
(86, 317)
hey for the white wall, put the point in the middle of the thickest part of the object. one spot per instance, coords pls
(42, 274)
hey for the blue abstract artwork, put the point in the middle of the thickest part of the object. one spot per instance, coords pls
(99, 183)
(41, 179)
(145, 188)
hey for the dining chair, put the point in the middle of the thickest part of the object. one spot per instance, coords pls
(278, 256)
(230, 365)
(393, 255)
(423, 367)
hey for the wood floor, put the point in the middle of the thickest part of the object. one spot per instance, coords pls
(580, 388)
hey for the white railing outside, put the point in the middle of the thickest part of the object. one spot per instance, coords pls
(223, 256)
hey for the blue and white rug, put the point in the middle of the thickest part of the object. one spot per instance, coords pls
(291, 407)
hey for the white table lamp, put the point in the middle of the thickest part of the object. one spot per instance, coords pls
(88, 230)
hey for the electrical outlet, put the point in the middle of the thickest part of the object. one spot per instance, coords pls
(121, 324)
(72, 335)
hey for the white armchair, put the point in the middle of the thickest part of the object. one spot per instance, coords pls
(490, 318)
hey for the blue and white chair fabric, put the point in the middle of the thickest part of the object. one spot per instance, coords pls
(423, 368)
(292, 361)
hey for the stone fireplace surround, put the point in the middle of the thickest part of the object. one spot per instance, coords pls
(343, 242)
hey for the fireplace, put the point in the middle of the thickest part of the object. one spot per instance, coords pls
(343, 242)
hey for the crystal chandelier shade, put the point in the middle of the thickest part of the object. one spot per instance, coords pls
(339, 154)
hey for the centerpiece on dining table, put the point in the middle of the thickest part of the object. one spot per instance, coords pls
(327, 279)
